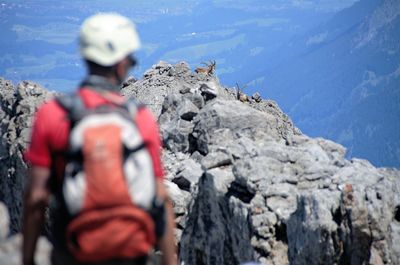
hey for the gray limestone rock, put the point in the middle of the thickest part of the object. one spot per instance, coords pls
(4, 222)
(256, 97)
(217, 230)
(188, 175)
(217, 158)
(196, 99)
(10, 251)
(237, 118)
(10, 247)
(165, 79)
(313, 220)
(176, 135)
(17, 106)
(187, 110)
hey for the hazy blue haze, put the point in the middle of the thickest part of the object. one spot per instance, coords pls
(39, 37)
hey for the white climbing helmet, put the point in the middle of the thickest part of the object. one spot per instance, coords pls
(107, 38)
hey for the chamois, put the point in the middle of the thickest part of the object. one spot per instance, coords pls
(208, 70)
(240, 95)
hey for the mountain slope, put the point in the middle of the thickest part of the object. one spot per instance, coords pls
(342, 81)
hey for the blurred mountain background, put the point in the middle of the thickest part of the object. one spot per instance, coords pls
(332, 66)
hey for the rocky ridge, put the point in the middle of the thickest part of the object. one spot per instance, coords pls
(245, 182)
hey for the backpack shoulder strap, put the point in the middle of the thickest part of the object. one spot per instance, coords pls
(73, 105)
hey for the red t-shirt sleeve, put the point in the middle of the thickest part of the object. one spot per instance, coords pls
(38, 152)
(149, 130)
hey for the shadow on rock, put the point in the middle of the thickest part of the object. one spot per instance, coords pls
(217, 230)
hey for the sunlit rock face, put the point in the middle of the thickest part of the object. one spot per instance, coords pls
(246, 184)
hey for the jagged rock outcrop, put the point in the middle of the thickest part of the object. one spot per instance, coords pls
(248, 185)
(17, 106)
(246, 172)
(164, 79)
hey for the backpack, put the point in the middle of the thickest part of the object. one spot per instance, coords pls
(109, 185)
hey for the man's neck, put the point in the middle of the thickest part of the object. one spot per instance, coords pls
(101, 82)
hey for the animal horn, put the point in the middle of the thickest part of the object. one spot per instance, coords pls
(237, 91)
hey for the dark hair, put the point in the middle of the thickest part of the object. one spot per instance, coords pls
(95, 68)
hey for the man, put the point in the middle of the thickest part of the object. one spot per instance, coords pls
(107, 43)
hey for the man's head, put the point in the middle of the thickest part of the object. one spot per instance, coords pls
(107, 42)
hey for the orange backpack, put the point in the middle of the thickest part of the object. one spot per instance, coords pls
(109, 184)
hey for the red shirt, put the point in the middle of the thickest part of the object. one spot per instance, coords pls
(51, 129)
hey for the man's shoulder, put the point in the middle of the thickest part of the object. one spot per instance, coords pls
(144, 113)
(50, 110)
(49, 104)
(146, 122)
